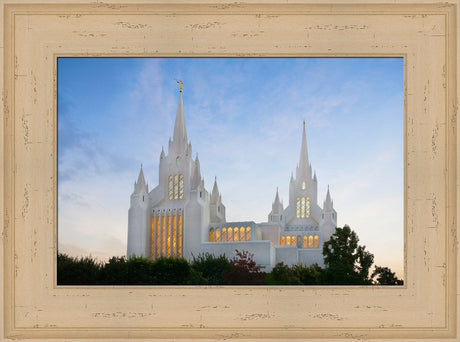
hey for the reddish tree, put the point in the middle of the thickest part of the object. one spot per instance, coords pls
(244, 270)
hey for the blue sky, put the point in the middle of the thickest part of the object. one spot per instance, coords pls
(244, 118)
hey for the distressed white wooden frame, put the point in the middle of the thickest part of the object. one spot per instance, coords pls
(35, 34)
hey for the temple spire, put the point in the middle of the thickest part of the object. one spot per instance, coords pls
(303, 160)
(215, 192)
(140, 182)
(328, 205)
(180, 131)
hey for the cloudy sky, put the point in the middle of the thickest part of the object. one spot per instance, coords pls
(244, 118)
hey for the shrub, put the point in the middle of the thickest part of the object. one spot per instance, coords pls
(211, 267)
(77, 271)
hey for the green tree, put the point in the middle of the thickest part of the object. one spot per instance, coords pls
(282, 274)
(385, 276)
(347, 263)
(309, 275)
(211, 267)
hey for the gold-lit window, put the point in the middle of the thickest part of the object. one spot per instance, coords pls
(176, 187)
(303, 207)
(248, 233)
(310, 241)
(288, 240)
(168, 229)
(224, 234)
(242, 234)
(294, 240)
(211, 235)
(303, 185)
(179, 235)
(217, 234)
(316, 241)
(305, 242)
(229, 234)
(282, 240)
(235, 234)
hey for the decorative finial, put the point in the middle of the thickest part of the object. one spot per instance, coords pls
(180, 84)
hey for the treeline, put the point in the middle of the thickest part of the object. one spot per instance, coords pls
(346, 263)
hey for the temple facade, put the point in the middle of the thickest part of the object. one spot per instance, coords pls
(179, 217)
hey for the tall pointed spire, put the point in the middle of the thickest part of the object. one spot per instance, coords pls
(303, 160)
(196, 180)
(215, 192)
(180, 132)
(328, 205)
(140, 181)
(277, 198)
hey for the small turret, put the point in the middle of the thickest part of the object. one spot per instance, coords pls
(196, 179)
(328, 217)
(140, 184)
(215, 192)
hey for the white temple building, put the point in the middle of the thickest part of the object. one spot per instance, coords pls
(179, 217)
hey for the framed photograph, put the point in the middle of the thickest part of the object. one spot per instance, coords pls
(423, 35)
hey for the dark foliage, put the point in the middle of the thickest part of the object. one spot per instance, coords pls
(244, 270)
(211, 267)
(114, 272)
(347, 263)
(77, 271)
(385, 276)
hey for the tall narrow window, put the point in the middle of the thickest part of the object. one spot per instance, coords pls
(211, 235)
(168, 239)
(282, 240)
(229, 234)
(248, 233)
(218, 234)
(176, 188)
(297, 207)
(235, 234)
(224, 234)
(307, 207)
(242, 234)
(305, 242)
(157, 249)
(310, 241)
(174, 234)
(316, 241)
(171, 187)
(288, 240)
(181, 186)
(303, 185)
(302, 207)
(294, 240)
(179, 237)
(162, 250)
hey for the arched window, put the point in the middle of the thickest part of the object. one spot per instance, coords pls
(307, 207)
(282, 240)
(310, 241)
(176, 188)
(211, 235)
(248, 233)
(305, 242)
(294, 240)
(218, 234)
(288, 240)
(224, 234)
(235, 234)
(303, 185)
(242, 234)
(229, 234)
(316, 241)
